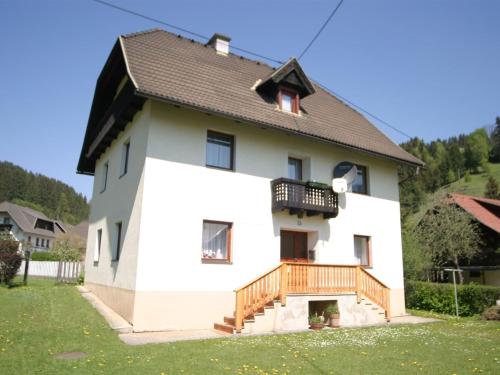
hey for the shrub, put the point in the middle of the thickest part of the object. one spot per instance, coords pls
(493, 313)
(45, 256)
(472, 298)
(10, 259)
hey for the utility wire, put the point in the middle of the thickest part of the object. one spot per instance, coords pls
(156, 20)
(125, 10)
(321, 29)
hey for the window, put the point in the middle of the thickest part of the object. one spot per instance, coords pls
(118, 241)
(295, 169)
(288, 101)
(125, 155)
(47, 244)
(37, 241)
(216, 245)
(97, 249)
(43, 242)
(220, 150)
(359, 185)
(6, 220)
(362, 250)
(104, 180)
(29, 239)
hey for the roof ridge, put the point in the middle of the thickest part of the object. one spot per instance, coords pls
(143, 32)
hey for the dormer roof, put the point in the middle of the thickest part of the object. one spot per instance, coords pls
(291, 75)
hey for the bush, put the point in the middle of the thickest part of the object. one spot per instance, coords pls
(493, 313)
(10, 259)
(48, 256)
(472, 299)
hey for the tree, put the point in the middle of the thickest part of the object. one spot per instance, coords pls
(476, 149)
(448, 235)
(492, 190)
(495, 143)
(69, 247)
(417, 263)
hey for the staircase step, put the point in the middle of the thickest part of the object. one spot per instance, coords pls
(229, 320)
(269, 305)
(224, 327)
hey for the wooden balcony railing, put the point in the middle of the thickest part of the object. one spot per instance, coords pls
(303, 197)
(296, 278)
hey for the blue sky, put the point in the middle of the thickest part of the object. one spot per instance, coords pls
(430, 68)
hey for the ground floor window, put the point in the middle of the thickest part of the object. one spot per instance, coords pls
(362, 250)
(216, 246)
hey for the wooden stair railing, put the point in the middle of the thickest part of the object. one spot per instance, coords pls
(298, 278)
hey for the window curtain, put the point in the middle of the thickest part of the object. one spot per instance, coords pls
(361, 249)
(215, 241)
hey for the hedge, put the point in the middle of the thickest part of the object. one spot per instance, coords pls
(472, 298)
(44, 256)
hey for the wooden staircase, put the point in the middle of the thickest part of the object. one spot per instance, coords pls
(297, 278)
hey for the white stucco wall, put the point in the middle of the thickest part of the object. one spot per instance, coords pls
(120, 202)
(179, 192)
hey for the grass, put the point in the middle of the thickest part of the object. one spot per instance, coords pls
(43, 319)
(476, 187)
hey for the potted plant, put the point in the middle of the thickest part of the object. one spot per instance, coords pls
(316, 322)
(332, 312)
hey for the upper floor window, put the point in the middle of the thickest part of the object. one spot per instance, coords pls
(6, 220)
(220, 150)
(104, 179)
(216, 244)
(362, 250)
(295, 169)
(360, 184)
(125, 157)
(288, 101)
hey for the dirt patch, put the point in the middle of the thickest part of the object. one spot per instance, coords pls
(71, 355)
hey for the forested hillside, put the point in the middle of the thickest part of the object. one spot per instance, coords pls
(461, 163)
(54, 198)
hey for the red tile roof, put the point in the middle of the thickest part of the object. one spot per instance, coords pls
(480, 208)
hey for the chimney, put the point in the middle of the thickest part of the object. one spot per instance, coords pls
(220, 43)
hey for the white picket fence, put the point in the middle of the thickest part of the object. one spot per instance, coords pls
(62, 271)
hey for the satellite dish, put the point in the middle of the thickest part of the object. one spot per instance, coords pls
(344, 175)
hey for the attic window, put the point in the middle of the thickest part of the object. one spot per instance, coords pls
(288, 101)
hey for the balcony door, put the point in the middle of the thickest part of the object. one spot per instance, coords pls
(293, 246)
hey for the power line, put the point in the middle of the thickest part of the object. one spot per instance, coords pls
(156, 20)
(321, 29)
(152, 19)
(363, 110)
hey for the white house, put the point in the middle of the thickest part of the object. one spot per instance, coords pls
(29, 226)
(212, 174)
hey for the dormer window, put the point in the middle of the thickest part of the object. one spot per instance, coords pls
(288, 101)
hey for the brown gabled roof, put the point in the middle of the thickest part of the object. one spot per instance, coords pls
(482, 209)
(26, 219)
(183, 72)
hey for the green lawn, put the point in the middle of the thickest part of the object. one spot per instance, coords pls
(41, 320)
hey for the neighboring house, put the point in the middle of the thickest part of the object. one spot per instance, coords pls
(485, 267)
(29, 226)
(205, 166)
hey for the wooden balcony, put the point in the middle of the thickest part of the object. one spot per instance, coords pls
(303, 197)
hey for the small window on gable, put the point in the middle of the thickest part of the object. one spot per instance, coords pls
(288, 101)
(104, 180)
(125, 156)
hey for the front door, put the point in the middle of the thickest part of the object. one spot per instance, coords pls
(293, 246)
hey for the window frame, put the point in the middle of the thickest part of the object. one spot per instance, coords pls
(118, 244)
(365, 179)
(232, 152)
(105, 172)
(229, 241)
(295, 99)
(97, 250)
(301, 168)
(368, 249)
(125, 158)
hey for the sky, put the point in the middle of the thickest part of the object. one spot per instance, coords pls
(431, 68)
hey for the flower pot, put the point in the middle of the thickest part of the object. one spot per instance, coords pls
(316, 326)
(334, 320)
